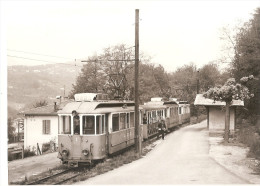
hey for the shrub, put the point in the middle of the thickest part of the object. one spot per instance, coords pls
(28, 152)
(248, 135)
(46, 147)
(255, 148)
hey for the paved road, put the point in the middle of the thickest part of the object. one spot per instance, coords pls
(182, 158)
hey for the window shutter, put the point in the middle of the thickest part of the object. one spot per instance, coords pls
(48, 126)
(43, 127)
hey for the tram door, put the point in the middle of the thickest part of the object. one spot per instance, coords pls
(128, 129)
(107, 133)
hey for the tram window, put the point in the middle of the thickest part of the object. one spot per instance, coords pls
(103, 124)
(66, 125)
(149, 117)
(99, 124)
(132, 119)
(115, 122)
(122, 124)
(88, 125)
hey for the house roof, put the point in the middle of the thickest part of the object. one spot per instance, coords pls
(47, 110)
(201, 100)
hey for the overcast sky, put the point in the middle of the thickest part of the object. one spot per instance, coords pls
(173, 33)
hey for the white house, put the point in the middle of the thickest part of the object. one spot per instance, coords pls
(41, 125)
(216, 113)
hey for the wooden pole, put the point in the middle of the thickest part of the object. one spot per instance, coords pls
(207, 118)
(227, 122)
(23, 152)
(137, 127)
(198, 82)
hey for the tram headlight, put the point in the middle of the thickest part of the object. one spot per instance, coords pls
(65, 152)
(85, 152)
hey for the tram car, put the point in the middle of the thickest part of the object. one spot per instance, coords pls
(92, 127)
(183, 112)
(173, 112)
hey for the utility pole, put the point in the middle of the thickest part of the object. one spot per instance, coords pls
(138, 142)
(64, 93)
(198, 82)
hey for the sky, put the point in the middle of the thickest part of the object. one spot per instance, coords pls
(173, 33)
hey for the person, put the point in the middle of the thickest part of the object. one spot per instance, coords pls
(145, 119)
(161, 128)
(76, 122)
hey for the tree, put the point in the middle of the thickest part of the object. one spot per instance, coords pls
(183, 82)
(91, 78)
(209, 76)
(11, 129)
(40, 103)
(228, 92)
(109, 72)
(247, 47)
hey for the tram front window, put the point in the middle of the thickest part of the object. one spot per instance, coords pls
(65, 125)
(88, 125)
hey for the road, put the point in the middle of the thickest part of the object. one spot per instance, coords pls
(182, 158)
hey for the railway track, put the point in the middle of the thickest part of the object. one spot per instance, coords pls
(58, 178)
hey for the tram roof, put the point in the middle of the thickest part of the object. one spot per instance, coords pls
(97, 107)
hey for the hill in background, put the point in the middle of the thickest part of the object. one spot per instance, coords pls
(29, 84)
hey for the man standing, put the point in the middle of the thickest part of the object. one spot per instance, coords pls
(76, 122)
(161, 128)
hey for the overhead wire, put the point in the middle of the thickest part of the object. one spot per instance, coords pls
(39, 54)
(51, 62)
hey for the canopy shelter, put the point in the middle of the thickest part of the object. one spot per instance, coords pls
(216, 113)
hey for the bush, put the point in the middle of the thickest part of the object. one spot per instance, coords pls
(248, 135)
(28, 152)
(255, 148)
(46, 147)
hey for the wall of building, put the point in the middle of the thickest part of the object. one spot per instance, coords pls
(33, 132)
(217, 118)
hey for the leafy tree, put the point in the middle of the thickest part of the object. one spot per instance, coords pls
(40, 103)
(247, 49)
(228, 92)
(183, 82)
(90, 78)
(11, 129)
(114, 74)
(110, 72)
(209, 76)
(245, 46)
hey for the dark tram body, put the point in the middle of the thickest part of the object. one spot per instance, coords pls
(92, 127)
(174, 113)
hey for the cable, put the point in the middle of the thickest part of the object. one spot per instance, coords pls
(38, 54)
(41, 60)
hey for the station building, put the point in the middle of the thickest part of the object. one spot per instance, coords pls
(216, 112)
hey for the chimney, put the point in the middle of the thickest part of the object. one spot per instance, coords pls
(55, 106)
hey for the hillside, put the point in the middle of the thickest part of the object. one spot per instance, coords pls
(28, 84)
